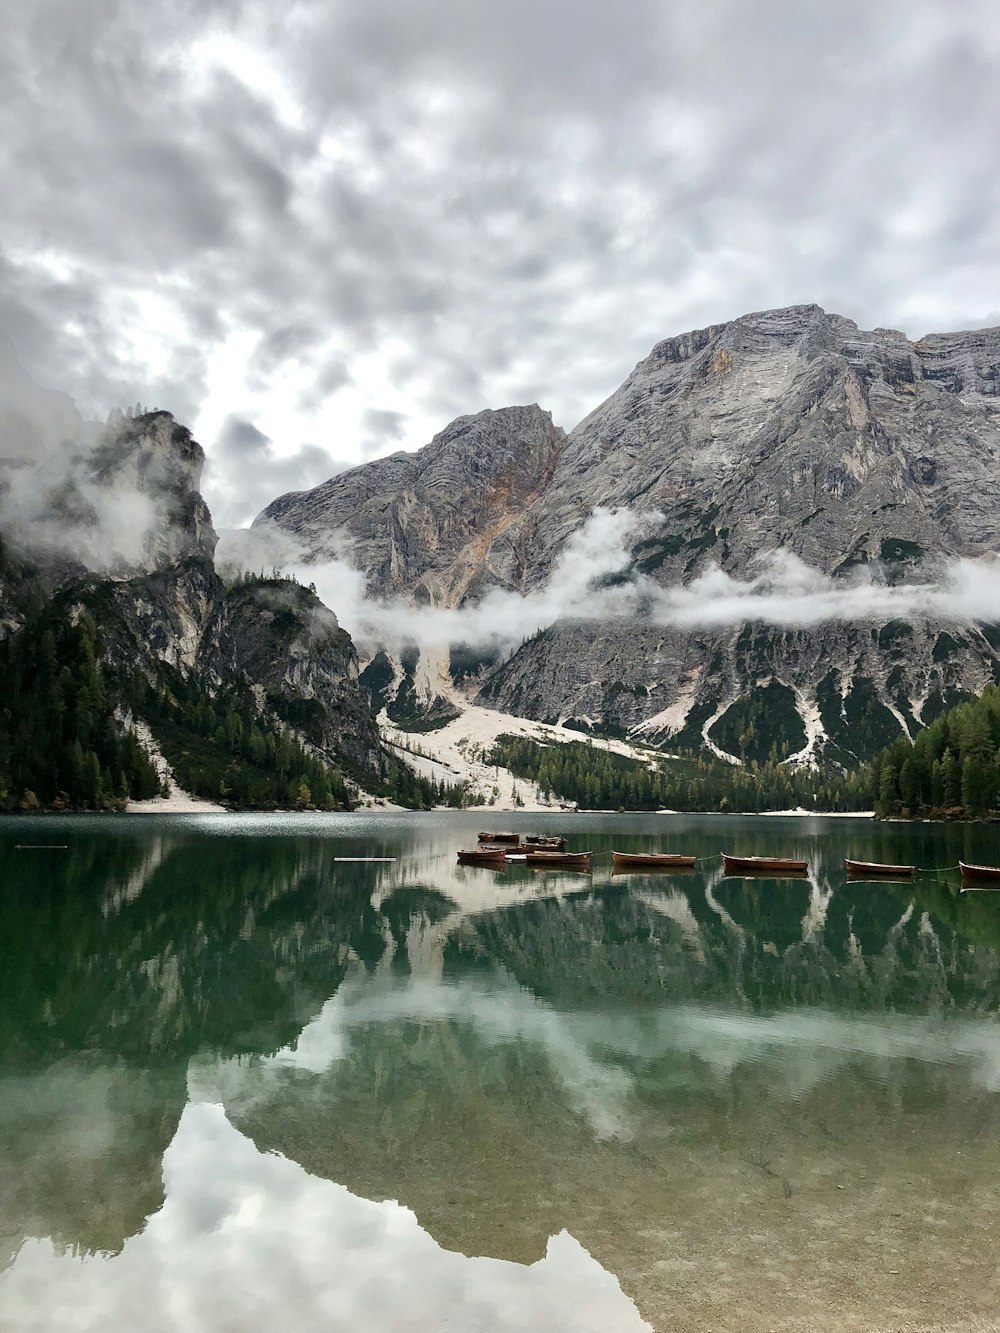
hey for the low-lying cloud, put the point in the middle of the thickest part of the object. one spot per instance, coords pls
(100, 495)
(594, 579)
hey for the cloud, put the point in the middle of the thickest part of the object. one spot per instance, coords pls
(301, 218)
(100, 495)
(104, 497)
(788, 592)
(251, 1239)
(263, 547)
(594, 579)
(381, 428)
(245, 472)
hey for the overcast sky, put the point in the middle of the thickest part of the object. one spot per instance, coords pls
(318, 230)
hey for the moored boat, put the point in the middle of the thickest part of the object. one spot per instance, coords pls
(522, 849)
(980, 874)
(865, 869)
(545, 842)
(481, 857)
(499, 837)
(568, 860)
(651, 861)
(763, 865)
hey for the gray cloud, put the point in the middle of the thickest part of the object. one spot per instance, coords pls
(245, 473)
(382, 428)
(478, 199)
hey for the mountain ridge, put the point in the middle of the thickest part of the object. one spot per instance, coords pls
(867, 456)
(111, 608)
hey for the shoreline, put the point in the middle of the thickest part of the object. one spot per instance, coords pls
(177, 805)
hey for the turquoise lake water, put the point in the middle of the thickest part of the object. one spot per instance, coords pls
(247, 1083)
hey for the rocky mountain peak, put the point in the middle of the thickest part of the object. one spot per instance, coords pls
(421, 523)
(789, 435)
(120, 498)
(153, 466)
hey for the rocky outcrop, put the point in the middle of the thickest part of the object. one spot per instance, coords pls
(286, 641)
(864, 455)
(110, 519)
(273, 633)
(154, 466)
(432, 524)
(115, 498)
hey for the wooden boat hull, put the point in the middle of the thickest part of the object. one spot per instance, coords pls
(980, 874)
(868, 869)
(478, 858)
(651, 861)
(545, 844)
(499, 837)
(519, 848)
(566, 860)
(763, 865)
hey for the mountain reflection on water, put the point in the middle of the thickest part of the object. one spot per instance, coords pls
(741, 1098)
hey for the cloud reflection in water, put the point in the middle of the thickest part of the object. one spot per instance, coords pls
(248, 1240)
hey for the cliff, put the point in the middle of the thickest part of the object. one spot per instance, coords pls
(108, 521)
(872, 460)
(432, 525)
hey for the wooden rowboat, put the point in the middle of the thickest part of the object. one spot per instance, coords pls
(987, 874)
(865, 869)
(763, 865)
(500, 837)
(479, 857)
(568, 860)
(544, 842)
(651, 861)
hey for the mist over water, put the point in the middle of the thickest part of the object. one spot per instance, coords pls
(283, 1088)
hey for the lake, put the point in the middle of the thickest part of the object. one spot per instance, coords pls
(248, 1083)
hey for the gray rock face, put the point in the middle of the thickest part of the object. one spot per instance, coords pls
(790, 429)
(860, 453)
(155, 465)
(276, 635)
(116, 512)
(432, 524)
(285, 640)
(844, 690)
(120, 498)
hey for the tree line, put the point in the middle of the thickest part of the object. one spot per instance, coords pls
(222, 749)
(60, 744)
(66, 742)
(595, 778)
(951, 770)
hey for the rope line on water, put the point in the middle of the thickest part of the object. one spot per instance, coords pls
(919, 870)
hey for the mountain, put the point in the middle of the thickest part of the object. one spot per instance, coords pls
(783, 439)
(432, 525)
(113, 618)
